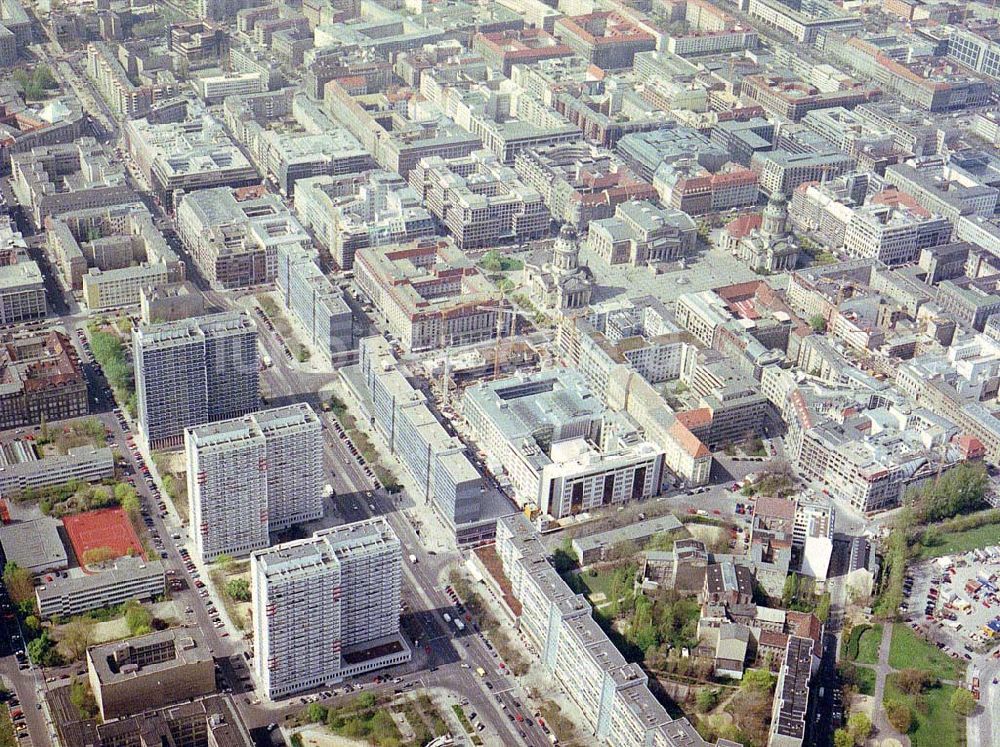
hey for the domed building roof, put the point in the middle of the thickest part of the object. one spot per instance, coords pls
(555, 277)
(566, 249)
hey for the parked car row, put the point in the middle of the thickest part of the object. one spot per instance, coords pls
(358, 456)
(16, 715)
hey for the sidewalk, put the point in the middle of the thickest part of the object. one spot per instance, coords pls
(883, 728)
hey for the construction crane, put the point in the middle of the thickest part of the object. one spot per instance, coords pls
(500, 311)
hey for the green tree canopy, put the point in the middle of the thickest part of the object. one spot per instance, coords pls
(960, 490)
(759, 680)
(706, 699)
(138, 618)
(42, 651)
(128, 498)
(238, 589)
(962, 702)
(860, 727)
(315, 713)
(18, 583)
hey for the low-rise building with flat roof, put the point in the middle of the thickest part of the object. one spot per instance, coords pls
(22, 293)
(580, 183)
(193, 154)
(480, 200)
(150, 671)
(34, 545)
(170, 302)
(686, 185)
(645, 151)
(781, 171)
(25, 126)
(395, 140)
(791, 696)
(347, 213)
(607, 39)
(215, 88)
(315, 301)
(594, 547)
(15, 31)
(110, 253)
(639, 333)
(124, 98)
(21, 468)
(130, 578)
(791, 99)
(504, 49)
(289, 137)
(214, 721)
(436, 461)
(559, 629)
(931, 82)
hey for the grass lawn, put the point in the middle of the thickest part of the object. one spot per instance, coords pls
(868, 645)
(952, 542)
(599, 584)
(908, 650)
(866, 680)
(7, 738)
(934, 724)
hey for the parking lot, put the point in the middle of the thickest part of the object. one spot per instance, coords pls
(954, 600)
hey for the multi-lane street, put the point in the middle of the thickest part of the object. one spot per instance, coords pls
(442, 652)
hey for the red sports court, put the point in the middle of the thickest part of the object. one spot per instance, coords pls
(105, 527)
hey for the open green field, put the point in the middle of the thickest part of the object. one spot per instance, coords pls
(909, 651)
(935, 724)
(953, 542)
(869, 644)
(597, 585)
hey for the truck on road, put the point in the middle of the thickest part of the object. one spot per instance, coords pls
(413, 558)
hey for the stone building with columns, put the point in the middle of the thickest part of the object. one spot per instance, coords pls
(763, 240)
(554, 277)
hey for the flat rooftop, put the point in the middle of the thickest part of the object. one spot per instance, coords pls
(120, 661)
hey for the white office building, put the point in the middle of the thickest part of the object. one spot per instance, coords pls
(250, 475)
(327, 607)
(564, 454)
